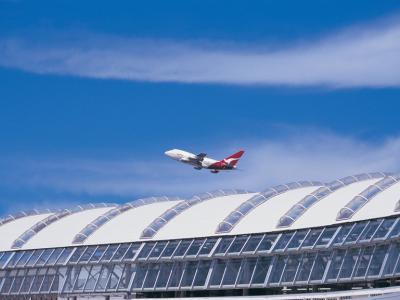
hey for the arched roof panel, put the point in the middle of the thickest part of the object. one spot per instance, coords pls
(246, 207)
(324, 212)
(113, 213)
(11, 230)
(201, 219)
(304, 204)
(63, 231)
(128, 226)
(266, 215)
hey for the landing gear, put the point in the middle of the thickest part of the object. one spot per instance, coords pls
(214, 171)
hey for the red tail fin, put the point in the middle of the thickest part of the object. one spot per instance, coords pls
(234, 158)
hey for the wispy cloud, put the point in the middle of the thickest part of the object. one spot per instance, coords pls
(317, 156)
(366, 56)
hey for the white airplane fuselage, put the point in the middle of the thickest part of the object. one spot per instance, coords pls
(190, 158)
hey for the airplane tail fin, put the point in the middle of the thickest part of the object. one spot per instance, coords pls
(233, 159)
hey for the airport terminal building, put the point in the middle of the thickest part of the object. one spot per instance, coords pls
(306, 237)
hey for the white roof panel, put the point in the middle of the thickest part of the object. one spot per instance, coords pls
(324, 212)
(129, 225)
(266, 216)
(12, 230)
(201, 219)
(383, 204)
(61, 232)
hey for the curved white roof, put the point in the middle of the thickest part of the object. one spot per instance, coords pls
(202, 218)
(63, 231)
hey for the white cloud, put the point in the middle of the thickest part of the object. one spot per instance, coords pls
(317, 156)
(358, 57)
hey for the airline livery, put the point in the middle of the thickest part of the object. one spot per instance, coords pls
(200, 161)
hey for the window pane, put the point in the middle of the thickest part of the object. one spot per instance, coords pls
(306, 265)
(231, 272)
(37, 282)
(326, 237)
(71, 277)
(64, 256)
(130, 254)
(82, 277)
(261, 270)
(277, 270)
(202, 272)
(342, 234)
(292, 265)
(355, 233)
(151, 276)
(139, 276)
(267, 242)
(176, 275)
(24, 259)
(247, 271)
(114, 278)
(384, 228)
(377, 260)
(4, 258)
(336, 264)
(395, 230)
(93, 276)
(120, 252)
(283, 241)
(237, 244)
(392, 259)
(87, 254)
(48, 280)
(207, 247)
(349, 263)
(165, 272)
(218, 272)
(195, 247)
(14, 259)
(320, 265)
(77, 254)
(182, 248)
(158, 248)
(370, 230)
(252, 243)
(223, 246)
(129, 271)
(44, 257)
(297, 239)
(109, 252)
(105, 274)
(146, 250)
(189, 273)
(169, 250)
(364, 261)
(311, 238)
(26, 285)
(98, 253)
(54, 256)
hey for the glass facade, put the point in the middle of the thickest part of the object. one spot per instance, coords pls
(304, 204)
(171, 213)
(352, 252)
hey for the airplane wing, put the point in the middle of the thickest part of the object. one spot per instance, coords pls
(197, 159)
(201, 156)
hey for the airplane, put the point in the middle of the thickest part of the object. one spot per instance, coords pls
(200, 161)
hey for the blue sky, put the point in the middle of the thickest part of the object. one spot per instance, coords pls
(93, 93)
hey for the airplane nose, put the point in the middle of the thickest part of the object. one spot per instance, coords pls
(168, 153)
